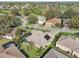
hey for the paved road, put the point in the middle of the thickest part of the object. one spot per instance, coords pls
(64, 29)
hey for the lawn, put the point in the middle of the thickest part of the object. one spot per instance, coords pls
(70, 34)
(3, 41)
(4, 11)
(32, 51)
(30, 24)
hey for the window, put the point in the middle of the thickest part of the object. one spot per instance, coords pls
(47, 37)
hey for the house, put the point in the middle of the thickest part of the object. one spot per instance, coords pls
(50, 54)
(54, 54)
(70, 45)
(10, 52)
(27, 6)
(39, 38)
(53, 22)
(14, 7)
(3, 55)
(65, 37)
(41, 20)
(4, 6)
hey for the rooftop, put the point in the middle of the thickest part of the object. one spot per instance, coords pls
(10, 52)
(70, 43)
(50, 54)
(39, 37)
(54, 20)
(54, 54)
(3, 55)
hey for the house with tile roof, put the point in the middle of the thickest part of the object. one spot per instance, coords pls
(53, 22)
(10, 52)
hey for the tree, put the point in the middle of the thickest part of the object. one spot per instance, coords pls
(71, 12)
(14, 10)
(26, 10)
(32, 19)
(36, 10)
(18, 32)
(17, 40)
(52, 12)
(17, 22)
(74, 22)
(7, 22)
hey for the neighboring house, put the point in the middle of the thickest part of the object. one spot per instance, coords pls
(53, 22)
(41, 20)
(4, 6)
(27, 6)
(69, 45)
(54, 54)
(10, 35)
(39, 38)
(50, 54)
(3, 55)
(65, 37)
(10, 52)
(14, 7)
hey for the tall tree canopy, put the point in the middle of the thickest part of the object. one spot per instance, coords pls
(8, 22)
(32, 19)
(74, 22)
(52, 12)
(71, 12)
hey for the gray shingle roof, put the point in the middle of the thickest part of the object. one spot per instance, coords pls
(54, 54)
(38, 38)
(11, 52)
(50, 54)
(69, 43)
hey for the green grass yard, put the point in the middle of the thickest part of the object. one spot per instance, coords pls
(32, 51)
(4, 11)
(3, 41)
